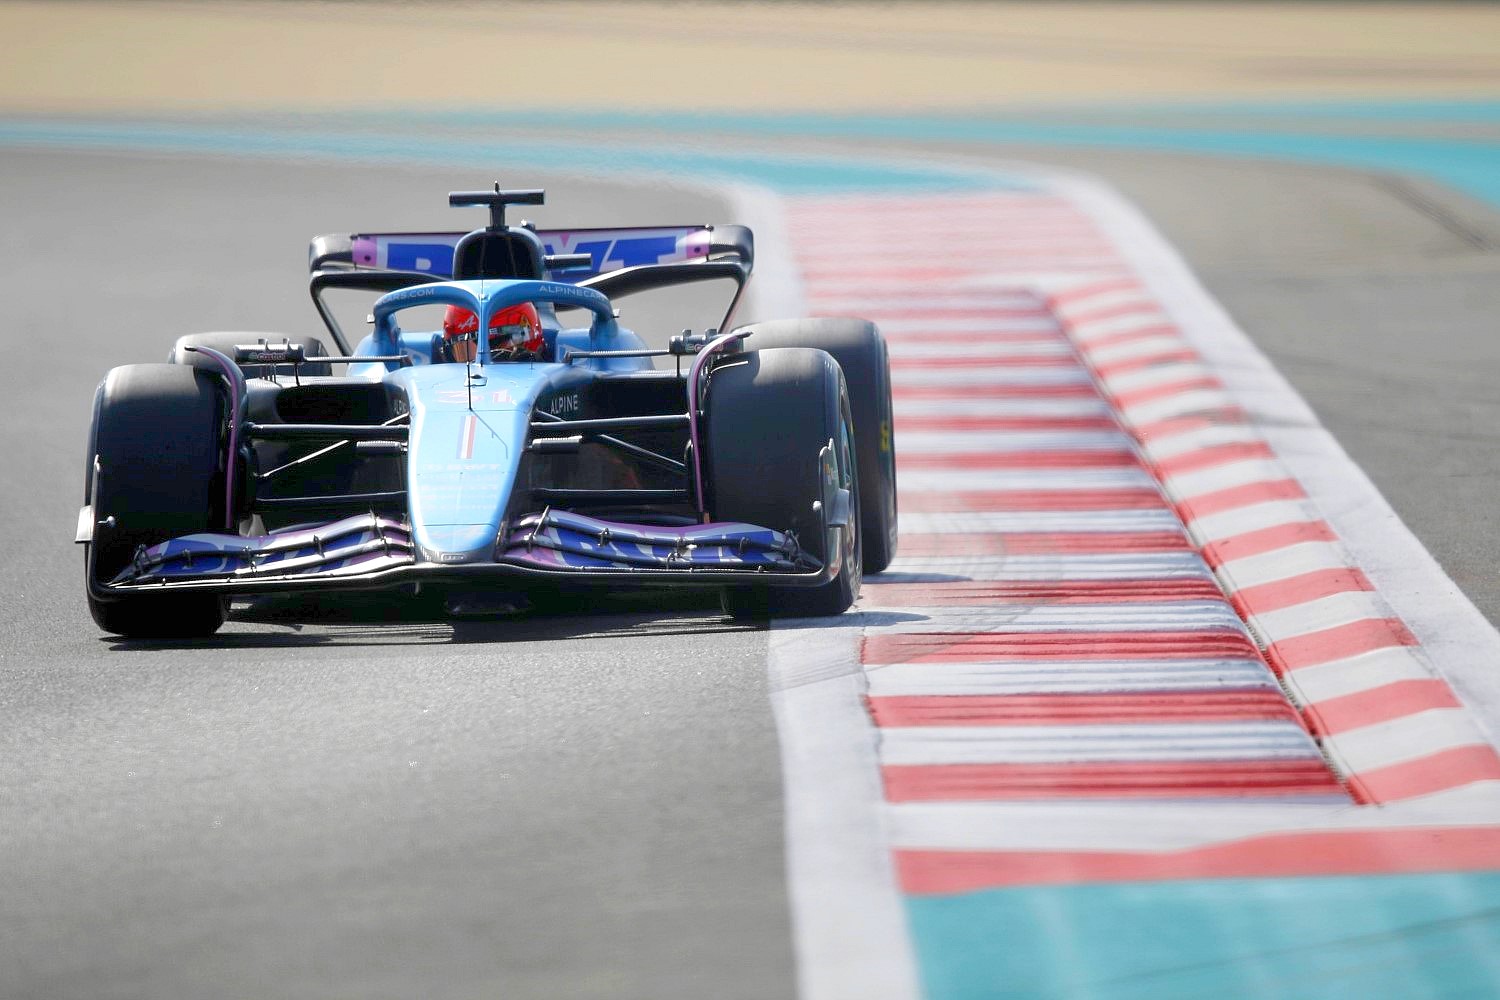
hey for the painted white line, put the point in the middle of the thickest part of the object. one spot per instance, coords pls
(847, 913)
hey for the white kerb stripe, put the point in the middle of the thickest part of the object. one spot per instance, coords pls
(1254, 517)
(918, 745)
(1354, 674)
(1323, 613)
(1092, 676)
(1282, 564)
(1409, 738)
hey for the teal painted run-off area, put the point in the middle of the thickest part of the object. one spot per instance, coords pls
(1454, 142)
(1388, 937)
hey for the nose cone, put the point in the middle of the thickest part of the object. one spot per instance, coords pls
(459, 543)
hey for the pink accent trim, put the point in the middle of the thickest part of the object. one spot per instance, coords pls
(695, 373)
(971, 647)
(1081, 709)
(1237, 779)
(1321, 852)
(1338, 643)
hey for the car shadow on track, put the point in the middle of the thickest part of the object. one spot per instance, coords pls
(384, 620)
(377, 620)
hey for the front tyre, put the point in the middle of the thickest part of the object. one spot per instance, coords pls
(768, 417)
(155, 442)
(860, 350)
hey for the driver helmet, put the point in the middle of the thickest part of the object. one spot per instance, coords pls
(515, 333)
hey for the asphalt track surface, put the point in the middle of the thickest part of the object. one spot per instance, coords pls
(581, 803)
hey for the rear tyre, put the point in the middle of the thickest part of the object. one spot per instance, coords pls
(860, 350)
(225, 341)
(767, 417)
(156, 441)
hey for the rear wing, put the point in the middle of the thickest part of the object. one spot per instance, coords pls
(617, 262)
(607, 249)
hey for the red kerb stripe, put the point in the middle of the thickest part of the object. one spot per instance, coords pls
(1338, 643)
(1125, 400)
(1236, 497)
(1218, 416)
(1381, 704)
(971, 422)
(1043, 543)
(1236, 779)
(1113, 368)
(1208, 458)
(970, 362)
(1050, 459)
(1127, 336)
(1254, 543)
(1312, 853)
(970, 592)
(1300, 589)
(1084, 315)
(1089, 291)
(1144, 498)
(979, 647)
(1073, 391)
(1438, 772)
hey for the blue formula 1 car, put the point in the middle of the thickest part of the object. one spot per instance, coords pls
(758, 461)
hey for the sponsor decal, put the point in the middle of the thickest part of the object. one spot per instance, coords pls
(466, 437)
(565, 405)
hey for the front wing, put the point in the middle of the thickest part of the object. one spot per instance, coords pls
(368, 552)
